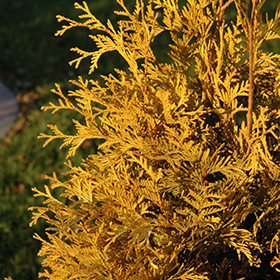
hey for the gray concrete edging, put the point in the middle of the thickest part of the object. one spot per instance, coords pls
(8, 109)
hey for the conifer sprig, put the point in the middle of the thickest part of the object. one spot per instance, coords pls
(184, 186)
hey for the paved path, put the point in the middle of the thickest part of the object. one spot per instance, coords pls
(8, 109)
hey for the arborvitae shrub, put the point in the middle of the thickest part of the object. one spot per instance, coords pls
(183, 186)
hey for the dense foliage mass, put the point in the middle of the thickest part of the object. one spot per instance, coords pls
(183, 186)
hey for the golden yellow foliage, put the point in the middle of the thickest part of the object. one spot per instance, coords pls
(184, 186)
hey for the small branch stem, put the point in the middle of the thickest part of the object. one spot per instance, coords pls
(250, 23)
(227, 4)
(251, 85)
(251, 71)
(221, 15)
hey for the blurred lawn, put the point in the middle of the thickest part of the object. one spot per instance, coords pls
(32, 60)
(30, 53)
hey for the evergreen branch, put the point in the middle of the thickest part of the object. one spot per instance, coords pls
(66, 105)
(83, 54)
(251, 26)
(223, 7)
(72, 24)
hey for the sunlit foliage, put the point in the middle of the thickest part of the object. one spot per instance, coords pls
(184, 186)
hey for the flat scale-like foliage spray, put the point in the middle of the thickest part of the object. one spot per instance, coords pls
(182, 186)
